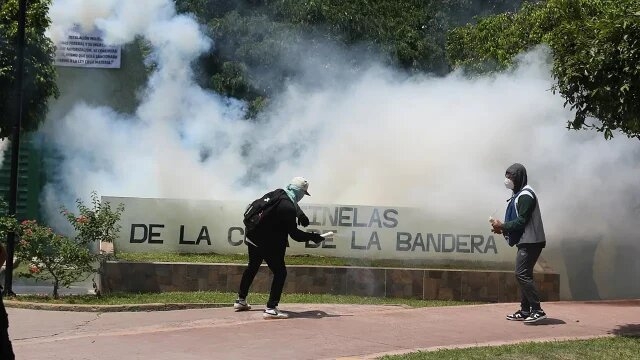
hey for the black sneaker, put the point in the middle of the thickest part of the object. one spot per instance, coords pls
(518, 316)
(535, 316)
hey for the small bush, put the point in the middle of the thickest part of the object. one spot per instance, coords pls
(52, 256)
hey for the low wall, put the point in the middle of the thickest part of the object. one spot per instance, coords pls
(469, 285)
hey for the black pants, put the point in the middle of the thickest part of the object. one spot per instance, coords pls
(274, 257)
(6, 350)
(525, 261)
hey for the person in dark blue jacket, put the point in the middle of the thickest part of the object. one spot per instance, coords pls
(523, 228)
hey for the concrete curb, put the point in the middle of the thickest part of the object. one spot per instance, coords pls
(111, 308)
(187, 306)
(473, 345)
(137, 307)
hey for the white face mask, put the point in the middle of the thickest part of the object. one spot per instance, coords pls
(508, 183)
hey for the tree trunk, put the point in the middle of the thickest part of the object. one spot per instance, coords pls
(56, 284)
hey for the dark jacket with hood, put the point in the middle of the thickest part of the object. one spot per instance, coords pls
(282, 223)
(523, 222)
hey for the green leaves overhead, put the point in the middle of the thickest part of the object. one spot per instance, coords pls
(261, 44)
(39, 77)
(596, 55)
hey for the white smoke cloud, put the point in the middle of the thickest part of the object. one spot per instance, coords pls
(441, 144)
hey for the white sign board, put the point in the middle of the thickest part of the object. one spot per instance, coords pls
(199, 226)
(87, 50)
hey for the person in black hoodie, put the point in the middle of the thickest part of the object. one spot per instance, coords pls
(271, 243)
(523, 228)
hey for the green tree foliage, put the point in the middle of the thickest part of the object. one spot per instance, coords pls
(596, 55)
(39, 83)
(52, 256)
(7, 223)
(64, 260)
(95, 223)
(260, 44)
(407, 31)
(411, 32)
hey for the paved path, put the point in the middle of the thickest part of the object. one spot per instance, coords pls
(314, 331)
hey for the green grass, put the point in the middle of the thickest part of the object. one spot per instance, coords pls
(307, 260)
(614, 348)
(219, 297)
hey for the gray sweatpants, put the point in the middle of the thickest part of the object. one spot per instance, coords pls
(525, 261)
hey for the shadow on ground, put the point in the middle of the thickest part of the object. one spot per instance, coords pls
(627, 329)
(309, 314)
(548, 321)
(622, 302)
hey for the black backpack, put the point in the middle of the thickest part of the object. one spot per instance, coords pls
(259, 210)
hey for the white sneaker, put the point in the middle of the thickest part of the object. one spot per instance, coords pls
(241, 305)
(274, 313)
